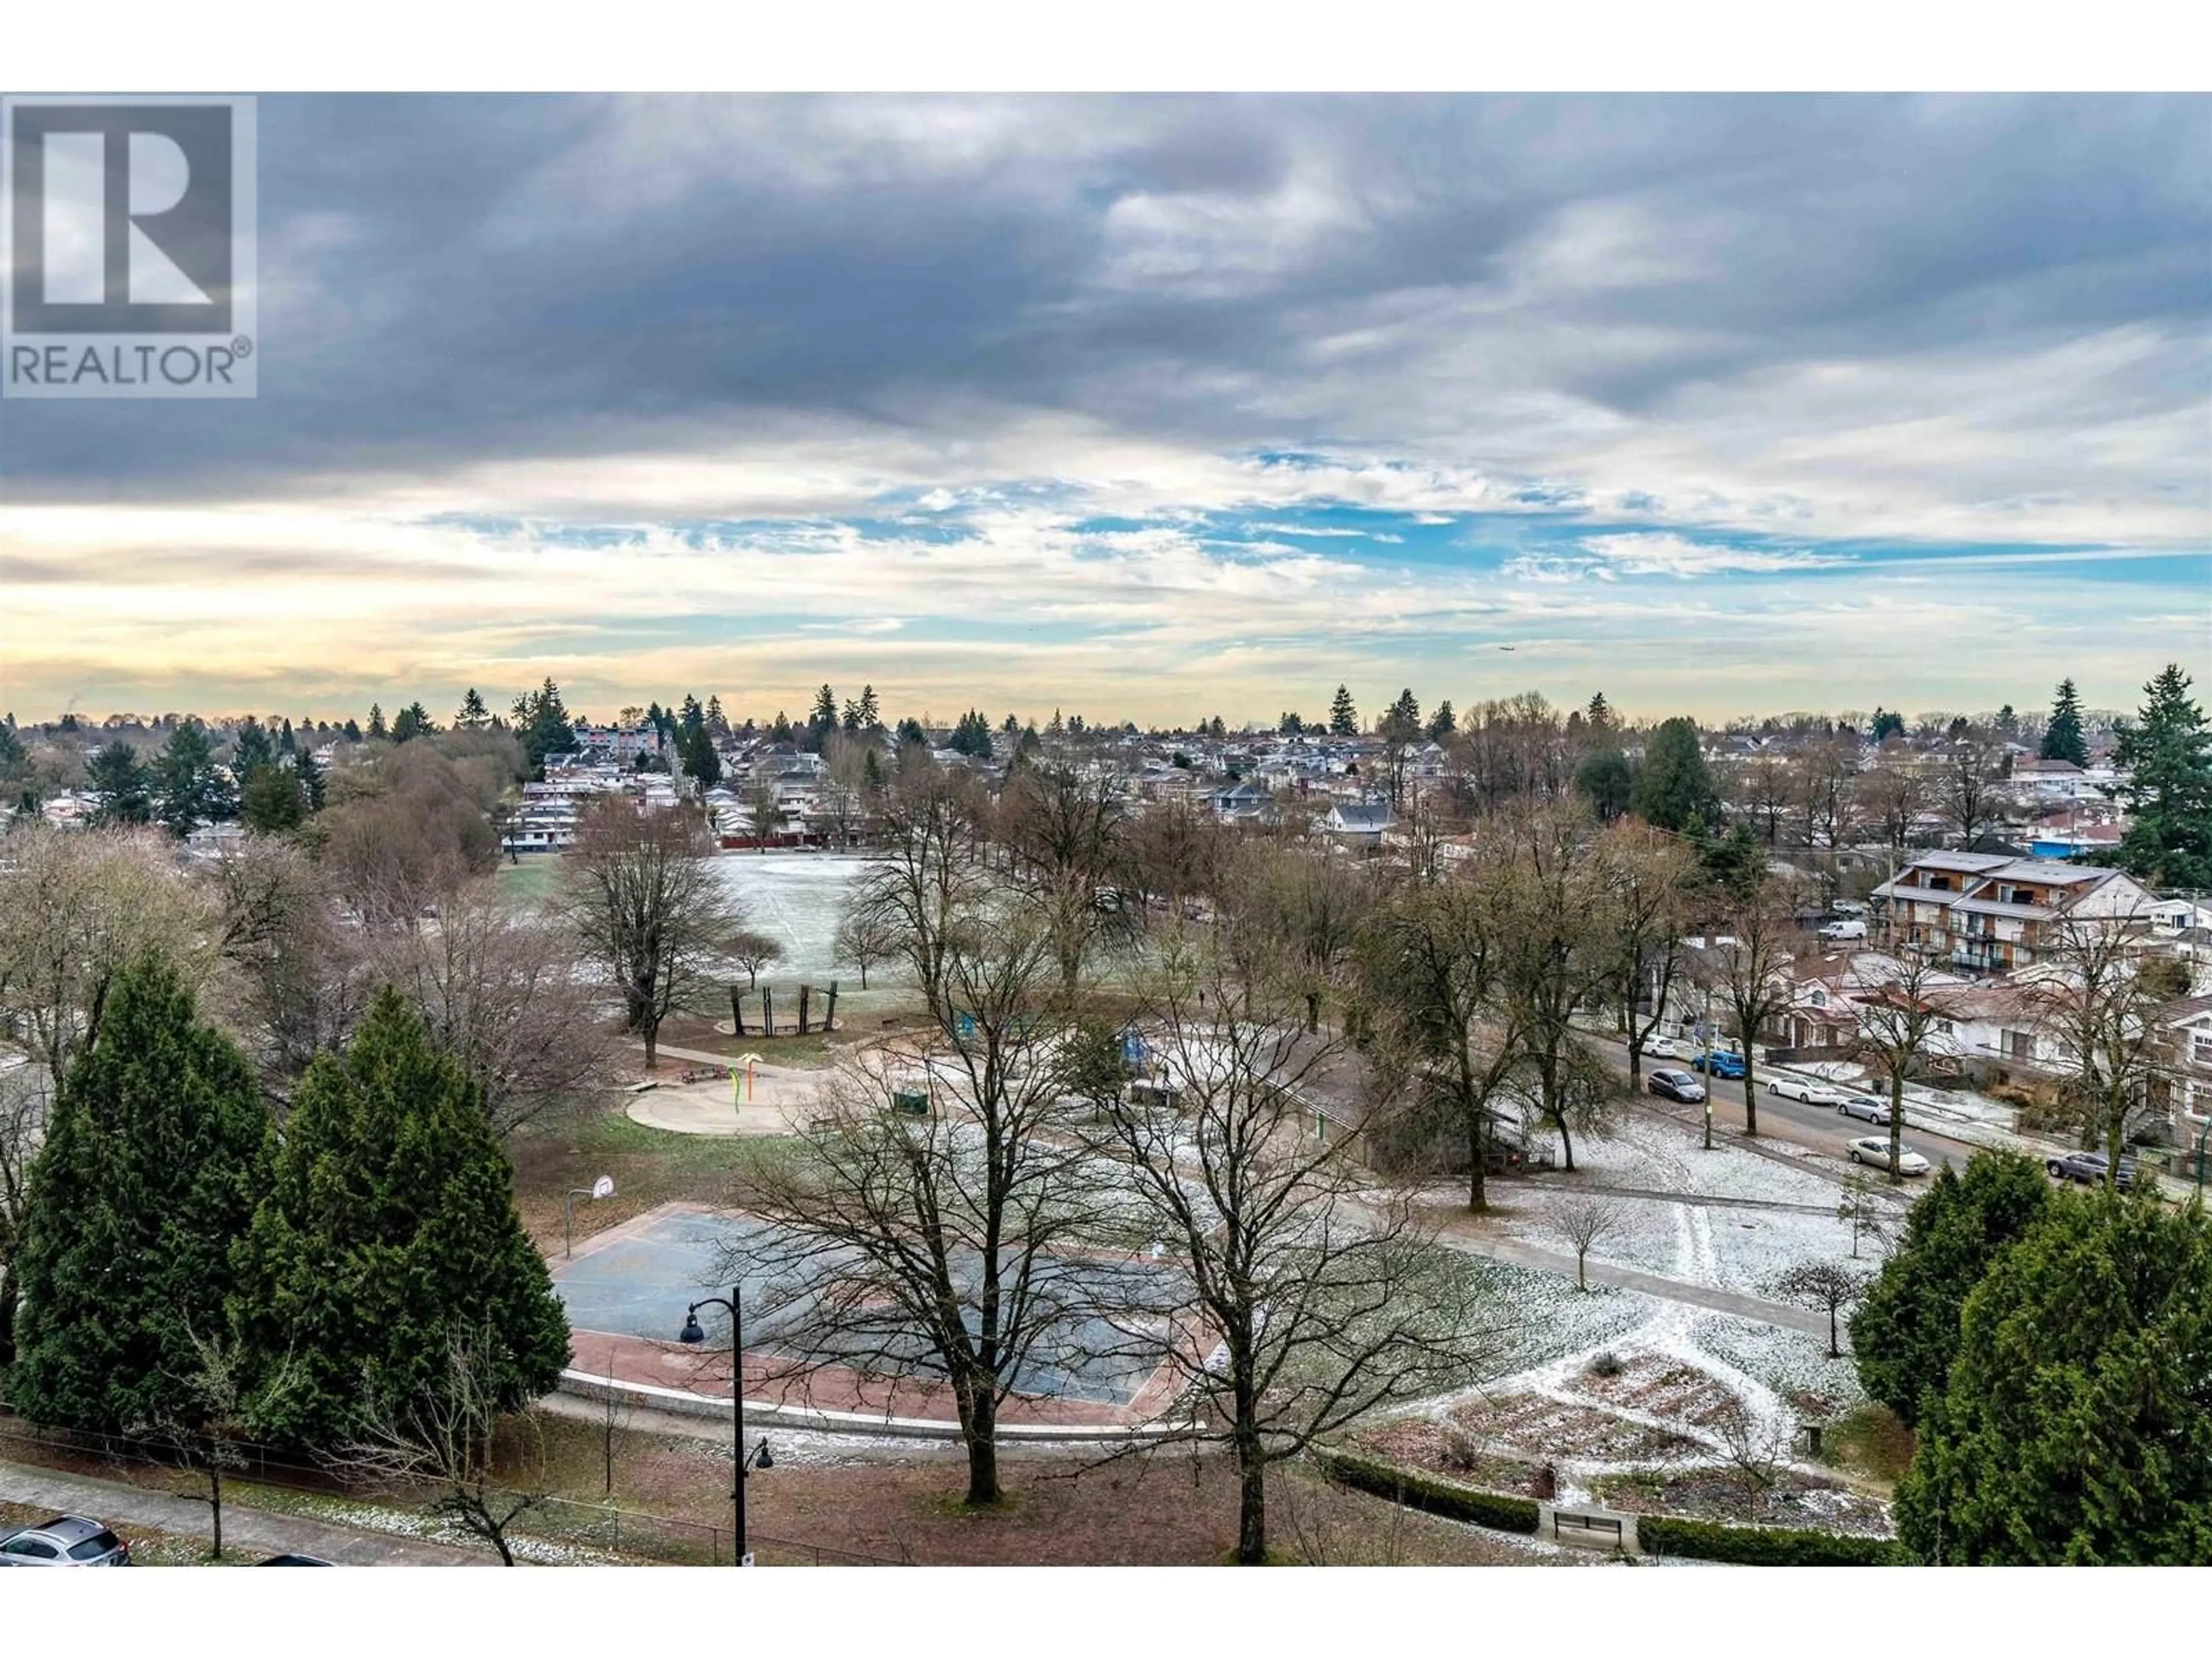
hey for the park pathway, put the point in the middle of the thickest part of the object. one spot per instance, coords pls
(1630, 1279)
(1710, 1200)
(247, 1532)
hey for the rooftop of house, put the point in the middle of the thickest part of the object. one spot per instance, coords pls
(1361, 814)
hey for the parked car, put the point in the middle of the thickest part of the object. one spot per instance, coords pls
(1837, 932)
(1866, 1106)
(1875, 1150)
(1665, 1047)
(1675, 1086)
(291, 1561)
(1719, 1063)
(67, 1541)
(2089, 1168)
(1813, 1094)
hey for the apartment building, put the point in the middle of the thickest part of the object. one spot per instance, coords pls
(1987, 913)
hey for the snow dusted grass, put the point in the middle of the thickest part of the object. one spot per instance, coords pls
(1673, 1376)
(399, 1522)
(1550, 1319)
(1790, 1364)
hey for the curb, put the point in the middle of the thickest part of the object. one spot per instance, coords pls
(585, 1385)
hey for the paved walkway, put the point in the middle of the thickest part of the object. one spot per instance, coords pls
(1629, 1279)
(248, 1532)
(1709, 1201)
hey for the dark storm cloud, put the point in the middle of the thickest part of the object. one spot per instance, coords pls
(448, 281)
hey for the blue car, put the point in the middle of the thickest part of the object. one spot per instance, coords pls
(1719, 1063)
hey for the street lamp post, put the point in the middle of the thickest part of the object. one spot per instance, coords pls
(1705, 1035)
(693, 1333)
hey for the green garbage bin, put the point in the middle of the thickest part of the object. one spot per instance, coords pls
(910, 1102)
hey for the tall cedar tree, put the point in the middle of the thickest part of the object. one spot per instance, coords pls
(123, 784)
(188, 786)
(388, 1227)
(1673, 787)
(149, 1173)
(2062, 734)
(2168, 754)
(2076, 1429)
(1906, 1332)
(1343, 717)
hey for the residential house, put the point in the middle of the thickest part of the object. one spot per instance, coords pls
(1359, 825)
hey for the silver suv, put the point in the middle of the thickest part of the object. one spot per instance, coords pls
(67, 1541)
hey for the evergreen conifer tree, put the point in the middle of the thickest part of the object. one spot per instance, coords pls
(2168, 755)
(149, 1173)
(2062, 734)
(390, 1224)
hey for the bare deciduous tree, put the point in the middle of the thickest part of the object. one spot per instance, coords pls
(1649, 878)
(74, 906)
(2095, 1000)
(25, 1099)
(1552, 923)
(1316, 1299)
(865, 938)
(1755, 1449)
(1893, 794)
(1866, 1215)
(1825, 1287)
(1750, 970)
(913, 1249)
(1585, 1221)
(754, 951)
(650, 907)
(1062, 832)
(1967, 783)
(1427, 1016)
(506, 991)
(440, 1445)
(1903, 1022)
(210, 1436)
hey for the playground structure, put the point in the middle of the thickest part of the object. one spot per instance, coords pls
(764, 1024)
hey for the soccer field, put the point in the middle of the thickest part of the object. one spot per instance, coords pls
(793, 898)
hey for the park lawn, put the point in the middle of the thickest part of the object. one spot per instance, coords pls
(900, 1501)
(651, 1167)
(536, 878)
(1869, 1441)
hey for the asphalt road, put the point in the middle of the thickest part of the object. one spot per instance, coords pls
(1820, 1127)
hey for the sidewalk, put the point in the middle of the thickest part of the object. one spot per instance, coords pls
(1629, 1279)
(249, 1534)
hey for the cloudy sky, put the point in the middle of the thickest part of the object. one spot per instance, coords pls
(1159, 407)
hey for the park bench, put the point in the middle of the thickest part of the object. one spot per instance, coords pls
(1589, 1523)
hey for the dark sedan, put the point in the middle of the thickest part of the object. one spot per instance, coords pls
(1676, 1085)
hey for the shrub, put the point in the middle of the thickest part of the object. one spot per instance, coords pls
(1608, 1365)
(1763, 1546)
(1431, 1493)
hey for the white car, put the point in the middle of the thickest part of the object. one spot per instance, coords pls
(1875, 1150)
(1813, 1094)
(1665, 1047)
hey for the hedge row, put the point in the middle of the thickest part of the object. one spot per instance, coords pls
(1655, 1535)
(1420, 1491)
(1763, 1546)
